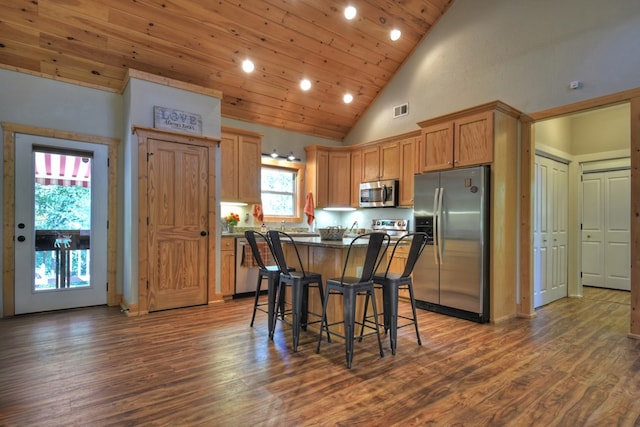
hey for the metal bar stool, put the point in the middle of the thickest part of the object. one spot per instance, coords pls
(269, 272)
(391, 284)
(350, 287)
(299, 281)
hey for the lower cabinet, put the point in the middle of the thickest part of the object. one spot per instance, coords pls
(398, 263)
(227, 266)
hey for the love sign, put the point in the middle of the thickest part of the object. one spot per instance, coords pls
(176, 120)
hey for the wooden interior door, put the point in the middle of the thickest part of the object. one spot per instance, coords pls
(178, 225)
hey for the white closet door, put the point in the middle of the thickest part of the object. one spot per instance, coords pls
(550, 231)
(606, 229)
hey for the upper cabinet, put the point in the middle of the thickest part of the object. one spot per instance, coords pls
(381, 161)
(356, 176)
(328, 176)
(408, 148)
(240, 159)
(449, 142)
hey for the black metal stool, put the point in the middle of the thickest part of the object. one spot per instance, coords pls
(391, 284)
(299, 281)
(271, 272)
(350, 287)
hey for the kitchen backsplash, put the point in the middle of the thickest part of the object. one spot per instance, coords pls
(324, 218)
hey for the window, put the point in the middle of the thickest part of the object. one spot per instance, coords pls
(281, 190)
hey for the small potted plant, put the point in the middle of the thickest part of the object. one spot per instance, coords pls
(232, 220)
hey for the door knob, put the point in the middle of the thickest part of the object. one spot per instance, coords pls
(203, 233)
(588, 236)
(21, 238)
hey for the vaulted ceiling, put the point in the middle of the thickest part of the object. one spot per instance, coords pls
(204, 42)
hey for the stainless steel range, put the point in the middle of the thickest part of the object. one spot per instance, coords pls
(393, 227)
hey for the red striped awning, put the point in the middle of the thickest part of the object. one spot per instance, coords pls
(62, 169)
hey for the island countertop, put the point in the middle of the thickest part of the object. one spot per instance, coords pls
(337, 244)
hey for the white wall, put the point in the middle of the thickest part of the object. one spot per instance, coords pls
(521, 52)
(607, 129)
(47, 103)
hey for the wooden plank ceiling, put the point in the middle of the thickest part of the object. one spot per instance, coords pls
(204, 43)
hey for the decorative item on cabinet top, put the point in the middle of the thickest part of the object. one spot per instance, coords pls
(176, 120)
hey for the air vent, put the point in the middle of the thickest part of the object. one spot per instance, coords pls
(400, 110)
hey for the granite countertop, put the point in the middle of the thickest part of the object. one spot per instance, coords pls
(295, 234)
(339, 244)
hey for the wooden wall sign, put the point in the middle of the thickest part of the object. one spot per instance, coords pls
(176, 120)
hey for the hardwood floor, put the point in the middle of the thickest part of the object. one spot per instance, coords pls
(572, 365)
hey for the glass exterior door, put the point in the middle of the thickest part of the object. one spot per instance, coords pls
(61, 211)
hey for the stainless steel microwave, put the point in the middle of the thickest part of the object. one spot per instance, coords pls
(379, 194)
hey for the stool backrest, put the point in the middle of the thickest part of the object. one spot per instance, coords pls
(250, 235)
(418, 243)
(274, 237)
(376, 250)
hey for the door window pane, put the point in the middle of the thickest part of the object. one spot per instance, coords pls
(62, 207)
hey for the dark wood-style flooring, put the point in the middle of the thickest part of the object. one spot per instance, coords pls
(572, 365)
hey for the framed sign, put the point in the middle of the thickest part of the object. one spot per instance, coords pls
(176, 120)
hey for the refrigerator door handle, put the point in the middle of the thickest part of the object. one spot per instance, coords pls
(440, 241)
(435, 226)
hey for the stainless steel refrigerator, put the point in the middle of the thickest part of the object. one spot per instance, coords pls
(452, 275)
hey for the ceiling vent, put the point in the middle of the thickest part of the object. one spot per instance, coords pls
(401, 110)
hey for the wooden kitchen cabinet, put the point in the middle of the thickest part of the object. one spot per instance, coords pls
(356, 177)
(398, 263)
(241, 153)
(463, 141)
(381, 161)
(227, 266)
(408, 147)
(328, 176)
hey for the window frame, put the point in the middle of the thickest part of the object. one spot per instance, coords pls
(298, 169)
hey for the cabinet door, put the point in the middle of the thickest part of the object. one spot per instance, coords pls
(371, 164)
(356, 177)
(322, 179)
(407, 148)
(397, 264)
(390, 160)
(249, 156)
(229, 163)
(339, 178)
(474, 140)
(227, 273)
(437, 147)
(228, 266)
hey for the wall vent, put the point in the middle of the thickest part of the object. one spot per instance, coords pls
(401, 110)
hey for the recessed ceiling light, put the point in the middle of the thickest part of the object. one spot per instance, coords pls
(247, 66)
(350, 12)
(395, 34)
(305, 84)
(347, 98)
